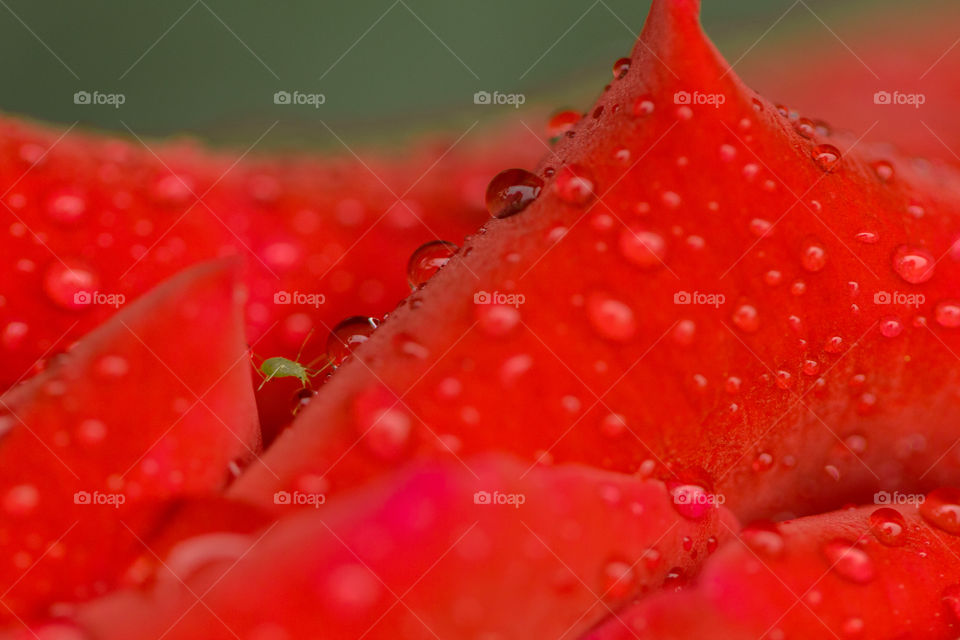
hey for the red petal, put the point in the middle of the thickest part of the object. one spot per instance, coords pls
(155, 403)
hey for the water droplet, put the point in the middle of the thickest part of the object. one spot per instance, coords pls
(690, 500)
(814, 257)
(620, 68)
(91, 431)
(728, 152)
(941, 508)
(913, 264)
(760, 227)
(21, 499)
(784, 379)
(947, 314)
(618, 580)
(811, 367)
(951, 600)
(773, 277)
(300, 399)
(71, 285)
(764, 538)
(643, 106)
(497, 320)
(561, 122)
(746, 318)
(763, 462)
(643, 248)
(891, 327)
(834, 344)
(732, 385)
(613, 425)
(405, 344)
(347, 336)
(805, 127)
(573, 185)
(852, 627)
(889, 527)
(849, 561)
(826, 156)
(66, 205)
(868, 237)
(684, 331)
(427, 260)
(388, 435)
(611, 318)
(512, 191)
(883, 169)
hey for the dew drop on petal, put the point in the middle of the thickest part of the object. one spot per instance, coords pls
(611, 318)
(427, 260)
(561, 122)
(941, 508)
(21, 499)
(826, 156)
(512, 191)
(889, 527)
(950, 597)
(746, 318)
(70, 285)
(620, 68)
(914, 264)
(643, 106)
(883, 169)
(574, 185)
(849, 561)
(891, 327)
(814, 257)
(947, 314)
(867, 237)
(645, 249)
(348, 335)
(618, 580)
(66, 205)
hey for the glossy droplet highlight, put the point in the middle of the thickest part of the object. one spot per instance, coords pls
(618, 580)
(66, 205)
(561, 122)
(883, 169)
(889, 527)
(849, 561)
(573, 185)
(512, 191)
(427, 260)
(620, 68)
(643, 106)
(347, 336)
(941, 508)
(914, 264)
(867, 237)
(70, 285)
(947, 314)
(813, 257)
(645, 249)
(826, 156)
(611, 318)
(891, 327)
(746, 318)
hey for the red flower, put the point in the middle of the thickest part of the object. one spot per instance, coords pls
(699, 311)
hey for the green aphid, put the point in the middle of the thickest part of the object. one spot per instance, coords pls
(280, 367)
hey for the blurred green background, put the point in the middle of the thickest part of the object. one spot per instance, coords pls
(211, 67)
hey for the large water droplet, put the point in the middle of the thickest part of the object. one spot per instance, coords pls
(813, 257)
(941, 508)
(691, 500)
(620, 68)
(891, 327)
(512, 191)
(849, 561)
(347, 336)
(889, 527)
(913, 264)
(883, 169)
(427, 260)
